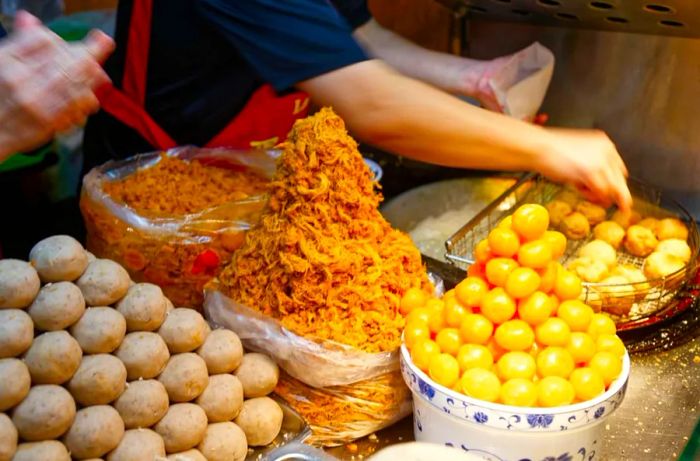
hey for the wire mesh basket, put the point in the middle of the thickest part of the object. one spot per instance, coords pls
(630, 304)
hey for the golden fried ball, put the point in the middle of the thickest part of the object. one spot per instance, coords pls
(575, 226)
(611, 232)
(650, 223)
(671, 228)
(588, 269)
(640, 241)
(634, 276)
(599, 250)
(675, 247)
(594, 213)
(626, 219)
(659, 265)
(558, 210)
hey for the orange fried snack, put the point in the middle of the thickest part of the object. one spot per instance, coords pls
(175, 187)
(322, 259)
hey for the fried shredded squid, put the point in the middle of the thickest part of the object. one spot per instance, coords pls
(322, 259)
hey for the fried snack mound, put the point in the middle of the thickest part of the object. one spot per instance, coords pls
(322, 259)
(175, 187)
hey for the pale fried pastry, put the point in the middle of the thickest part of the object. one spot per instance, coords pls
(588, 269)
(640, 241)
(599, 250)
(660, 264)
(676, 247)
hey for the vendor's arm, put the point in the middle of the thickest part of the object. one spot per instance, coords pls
(408, 117)
(454, 74)
(46, 85)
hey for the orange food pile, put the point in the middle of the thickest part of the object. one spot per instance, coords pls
(514, 331)
(174, 187)
(322, 259)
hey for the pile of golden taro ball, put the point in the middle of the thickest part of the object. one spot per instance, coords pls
(95, 366)
(325, 264)
(623, 253)
(514, 331)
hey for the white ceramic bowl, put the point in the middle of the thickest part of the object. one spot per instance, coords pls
(499, 432)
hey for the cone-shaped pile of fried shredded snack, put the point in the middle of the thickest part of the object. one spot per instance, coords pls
(323, 260)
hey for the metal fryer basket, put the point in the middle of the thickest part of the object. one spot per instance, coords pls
(644, 299)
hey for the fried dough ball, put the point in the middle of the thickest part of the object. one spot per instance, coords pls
(659, 265)
(599, 250)
(258, 374)
(611, 232)
(46, 413)
(96, 431)
(138, 445)
(675, 247)
(672, 228)
(16, 332)
(588, 269)
(558, 210)
(60, 258)
(626, 220)
(189, 455)
(182, 427)
(594, 213)
(634, 276)
(222, 399)
(184, 330)
(222, 351)
(224, 442)
(185, 377)
(261, 420)
(144, 354)
(100, 330)
(103, 283)
(53, 358)
(617, 296)
(143, 307)
(49, 450)
(15, 382)
(100, 379)
(57, 306)
(19, 284)
(640, 241)
(575, 226)
(8, 438)
(143, 403)
(650, 223)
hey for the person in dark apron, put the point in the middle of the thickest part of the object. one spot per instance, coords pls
(238, 73)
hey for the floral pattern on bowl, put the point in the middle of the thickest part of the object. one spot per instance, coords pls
(513, 418)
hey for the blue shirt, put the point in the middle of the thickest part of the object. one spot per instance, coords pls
(207, 57)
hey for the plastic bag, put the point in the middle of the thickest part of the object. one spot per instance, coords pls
(180, 253)
(343, 393)
(521, 85)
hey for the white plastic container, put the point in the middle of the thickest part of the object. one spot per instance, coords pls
(499, 432)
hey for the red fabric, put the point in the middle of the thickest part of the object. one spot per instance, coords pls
(134, 82)
(264, 121)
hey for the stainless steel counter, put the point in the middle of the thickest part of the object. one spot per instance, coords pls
(654, 422)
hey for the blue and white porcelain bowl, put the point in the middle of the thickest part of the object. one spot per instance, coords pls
(499, 432)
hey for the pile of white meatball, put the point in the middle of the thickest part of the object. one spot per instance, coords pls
(94, 366)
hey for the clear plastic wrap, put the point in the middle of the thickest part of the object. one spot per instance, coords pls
(178, 253)
(343, 393)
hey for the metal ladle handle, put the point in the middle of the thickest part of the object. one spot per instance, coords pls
(296, 451)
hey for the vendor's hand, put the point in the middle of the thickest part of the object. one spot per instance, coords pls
(589, 160)
(46, 84)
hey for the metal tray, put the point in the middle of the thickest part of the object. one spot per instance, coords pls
(649, 300)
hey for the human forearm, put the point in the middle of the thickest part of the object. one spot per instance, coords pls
(451, 73)
(410, 118)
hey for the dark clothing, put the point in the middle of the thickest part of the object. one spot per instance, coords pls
(207, 57)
